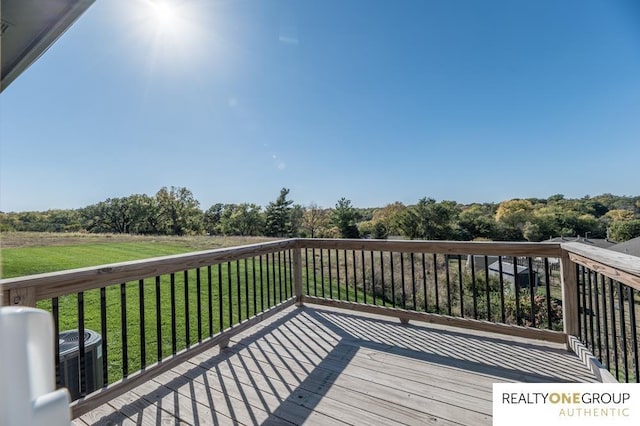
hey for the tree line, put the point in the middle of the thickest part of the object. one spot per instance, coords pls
(175, 211)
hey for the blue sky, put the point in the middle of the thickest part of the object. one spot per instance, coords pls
(373, 100)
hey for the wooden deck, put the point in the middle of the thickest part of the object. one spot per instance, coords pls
(316, 365)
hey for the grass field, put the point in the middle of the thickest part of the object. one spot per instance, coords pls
(27, 253)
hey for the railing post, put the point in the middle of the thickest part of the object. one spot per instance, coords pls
(297, 275)
(25, 296)
(570, 301)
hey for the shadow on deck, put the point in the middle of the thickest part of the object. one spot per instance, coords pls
(317, 365)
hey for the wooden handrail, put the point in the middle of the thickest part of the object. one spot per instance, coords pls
(620, 267)
(490, 248)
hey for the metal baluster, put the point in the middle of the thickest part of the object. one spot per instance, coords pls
(220, 303)
(623, 332)
(81, 346)
(393, 284)
(279, 277)
(346, 274)
(634, 332)
(321, 271)
(488, 289)
(238, 291)
(143, 340)
(246, 287)
(614, 337)
(338, 273)
(605, 323)
(199, 302)
(187, 334)
(516, 286)
(548, 291)
(502, 308)
(174, 342)
(273, 275)
(123, 319)
(597, 304)
(253, 272)
(210, 299)
(532, 292)
(384, 298)
(329, 271)
(158, 323)
(461, 284)
(103, 331)
(424, 284)
(402, 283)
(592, 345)
(413, 281)
(315, 279)
(473, 287)
(230, 290)
(435, 281)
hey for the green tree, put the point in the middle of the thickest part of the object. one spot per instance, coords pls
(212, 219)
(145, 214)
(112, 215)
(380, 231)
(512, 216)
(296, 215)
(390, 216)
(241, 219)
(315, 221)
(544, 223)
(179, 211)
(344, 217)
(430, 220)
(625, 230)
(409, 224)
(477, 222)
(618, 215)
(278, 216)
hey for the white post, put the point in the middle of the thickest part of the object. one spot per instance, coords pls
(27, 377)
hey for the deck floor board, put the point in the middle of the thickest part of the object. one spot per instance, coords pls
(318, 366)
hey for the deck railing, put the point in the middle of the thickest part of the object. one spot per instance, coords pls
(155, 313)
(608, 297)
(474, 284)
(152, 314)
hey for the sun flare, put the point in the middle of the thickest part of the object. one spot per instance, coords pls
(162, 12)
(171, 25)
(170, 36)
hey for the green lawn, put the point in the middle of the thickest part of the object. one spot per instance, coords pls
(36, 260)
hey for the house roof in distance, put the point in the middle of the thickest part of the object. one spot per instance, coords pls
(28, 28)
(594, 242)
(631, 247)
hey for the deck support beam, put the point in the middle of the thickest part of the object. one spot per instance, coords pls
(569, 296)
